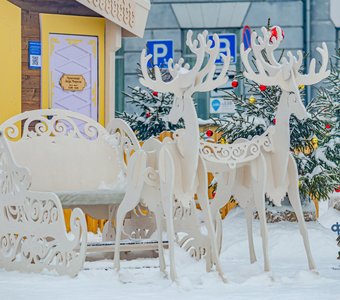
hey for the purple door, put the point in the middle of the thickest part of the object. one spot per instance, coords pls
(74, 73)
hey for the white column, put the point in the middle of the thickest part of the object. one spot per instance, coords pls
(113, 42)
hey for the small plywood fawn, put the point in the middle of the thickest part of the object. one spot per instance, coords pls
(270, 168)
(166, 176)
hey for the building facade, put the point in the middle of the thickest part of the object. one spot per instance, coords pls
(61, 53)
(306, 24)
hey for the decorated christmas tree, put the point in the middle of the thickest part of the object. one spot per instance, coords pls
(153, 108)
(315, 142)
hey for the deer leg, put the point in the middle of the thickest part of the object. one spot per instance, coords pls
(159, 218)
(131, 199)
(249, 219)
(294, 198)
(167, 179)
(259, 198)
(225, 184)
(202, 193)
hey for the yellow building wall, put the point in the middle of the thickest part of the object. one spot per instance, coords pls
(10, 60)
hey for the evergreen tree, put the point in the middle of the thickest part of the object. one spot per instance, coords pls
(153, 109)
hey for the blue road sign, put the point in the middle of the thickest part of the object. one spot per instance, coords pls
(162, 51)
(34, 55)
(227, 40)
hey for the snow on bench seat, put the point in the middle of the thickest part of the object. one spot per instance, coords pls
(125, 245)
(78, 198)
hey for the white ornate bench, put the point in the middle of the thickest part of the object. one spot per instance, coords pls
(55, 159)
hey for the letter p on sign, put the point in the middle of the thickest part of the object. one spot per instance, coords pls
(227, 40)
(161, 51)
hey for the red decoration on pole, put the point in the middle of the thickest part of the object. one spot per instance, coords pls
(263, 88)
(234, 83)
(155, 94)
(209, 133)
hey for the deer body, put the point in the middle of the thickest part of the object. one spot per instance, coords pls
(161, 174)
(272, 172)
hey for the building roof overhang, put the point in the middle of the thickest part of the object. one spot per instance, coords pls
(131, 15)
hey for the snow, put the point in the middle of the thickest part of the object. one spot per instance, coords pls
(321, 155)
(205, 122)
(141, 279)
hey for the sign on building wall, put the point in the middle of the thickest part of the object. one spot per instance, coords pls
(72, 83)
(34, 55)
(227, 40)
(162, 51)
(221, 106)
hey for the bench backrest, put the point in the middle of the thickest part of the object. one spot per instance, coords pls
(63, 150)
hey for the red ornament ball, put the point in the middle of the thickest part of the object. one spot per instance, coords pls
(213, 194)
(274, 121)
(155, 94)
(328, 126)
(274, 33)
(148, 114)
(337, 190)
(262, 88)
(234, 83)
(209, 133)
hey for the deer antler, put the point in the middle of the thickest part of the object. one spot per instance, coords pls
(157, 84)
(312, 77)
(205, 80)
(268, 72)
(186, 79)
(271, 72)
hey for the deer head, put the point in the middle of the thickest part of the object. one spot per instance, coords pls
(286, 73)
(185, 80)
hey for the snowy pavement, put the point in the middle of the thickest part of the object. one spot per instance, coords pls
(141, 279)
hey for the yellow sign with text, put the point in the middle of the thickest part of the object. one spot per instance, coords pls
(72, 83)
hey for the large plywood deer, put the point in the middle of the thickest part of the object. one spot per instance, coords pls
(162, 174)
(250, 169)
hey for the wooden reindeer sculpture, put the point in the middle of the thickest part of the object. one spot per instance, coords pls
(265, 165)
(162, 174)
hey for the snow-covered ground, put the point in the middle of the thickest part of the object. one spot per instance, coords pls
(141, 279)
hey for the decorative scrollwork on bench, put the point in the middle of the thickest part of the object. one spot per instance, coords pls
(51, 123)
(238, 152)
(32, 229)
(189, 236)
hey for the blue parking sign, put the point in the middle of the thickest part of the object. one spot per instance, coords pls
(227, 40)
(162, 51)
